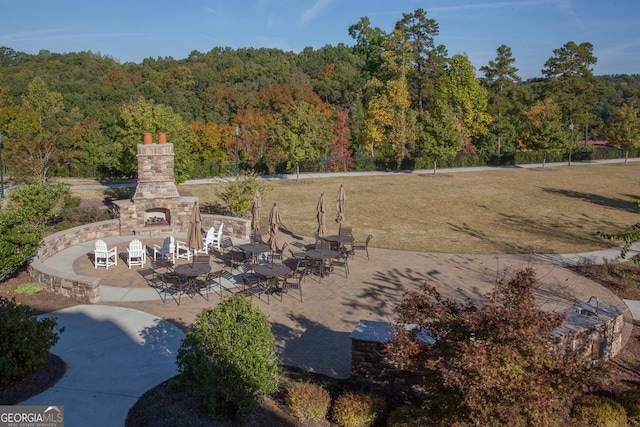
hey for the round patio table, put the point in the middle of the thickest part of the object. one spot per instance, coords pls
(255, 249)
(272, 272)
(191, 271)
(321, 254)
(324, 255)
(342, 239)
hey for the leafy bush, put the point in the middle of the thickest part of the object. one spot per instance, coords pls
(599, 411)
(19, 239)
(357, 409)
(630, 401)
(45, 201)
(238, 195)
(307, 401)
(408, 416)
(25, 341)
(30, 209)
(229, 355)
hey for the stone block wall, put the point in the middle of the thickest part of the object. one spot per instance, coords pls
(67, 283)
(370, 361)
(61, 240)
(595, 329)
(233, 227)
(87, 288)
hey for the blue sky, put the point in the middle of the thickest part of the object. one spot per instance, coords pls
(133, 30)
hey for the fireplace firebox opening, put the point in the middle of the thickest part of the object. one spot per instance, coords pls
(157, 216)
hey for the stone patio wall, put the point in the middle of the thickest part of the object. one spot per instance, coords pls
(65, 281)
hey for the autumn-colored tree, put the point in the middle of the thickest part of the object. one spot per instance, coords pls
(209, 141)
(545, 128)
(284, 97)
(493, 364)
(624, 129)
(255, 125)
(340, 154)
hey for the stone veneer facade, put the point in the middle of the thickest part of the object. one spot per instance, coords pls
(156, 191)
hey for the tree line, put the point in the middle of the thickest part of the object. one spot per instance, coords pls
(393, 96)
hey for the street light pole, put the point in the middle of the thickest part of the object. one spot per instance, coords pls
(237, 137)
(1, 175)
(570, 142)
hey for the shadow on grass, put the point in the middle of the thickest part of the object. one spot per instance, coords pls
(566, 230)
(625, 205)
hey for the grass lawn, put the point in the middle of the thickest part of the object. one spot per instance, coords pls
(552, 210)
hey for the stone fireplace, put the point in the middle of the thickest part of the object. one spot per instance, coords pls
(156, 208)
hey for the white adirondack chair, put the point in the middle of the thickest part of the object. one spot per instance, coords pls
(167, 250)
(207, 240)
(104, 257)
(183, 251)
(217, 238)
(137, 253)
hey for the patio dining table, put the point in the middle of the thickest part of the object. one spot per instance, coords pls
(325, 256)
(273, 272)
(255, 249)
(341, 239)
(190, 271)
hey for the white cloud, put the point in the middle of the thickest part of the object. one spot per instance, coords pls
(314, 10)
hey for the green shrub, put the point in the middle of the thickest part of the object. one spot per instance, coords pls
(599, 411)
(630, 401)
(408, 416)
(357, 409)
(229, 355)
(307, 401)
(25, 341)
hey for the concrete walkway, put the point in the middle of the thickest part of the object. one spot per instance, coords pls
(113, 356)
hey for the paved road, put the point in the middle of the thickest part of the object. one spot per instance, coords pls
(317, 175)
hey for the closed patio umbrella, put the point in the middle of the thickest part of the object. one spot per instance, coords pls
(341, 205)
(255, 211)
(194, 236)
(321, 209)
(274, 227)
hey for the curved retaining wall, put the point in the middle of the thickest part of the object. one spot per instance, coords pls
(86, 288)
